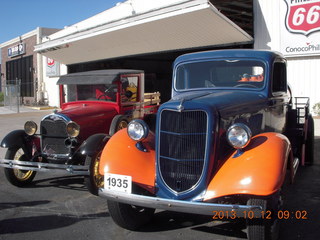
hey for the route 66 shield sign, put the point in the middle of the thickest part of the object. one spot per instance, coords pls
(303, 16)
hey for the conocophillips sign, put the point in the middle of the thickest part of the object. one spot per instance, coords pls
(302, 28)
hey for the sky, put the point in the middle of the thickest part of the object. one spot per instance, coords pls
(18, 17)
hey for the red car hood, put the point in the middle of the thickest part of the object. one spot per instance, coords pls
(93, 117)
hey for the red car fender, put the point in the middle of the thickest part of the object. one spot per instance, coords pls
(121, 156)
(260, 170)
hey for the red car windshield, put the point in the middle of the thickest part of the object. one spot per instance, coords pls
(90, 92)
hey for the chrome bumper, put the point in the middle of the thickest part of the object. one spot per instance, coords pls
(44, 167)
(202, 208)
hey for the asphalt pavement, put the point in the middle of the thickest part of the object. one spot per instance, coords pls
(59, 207)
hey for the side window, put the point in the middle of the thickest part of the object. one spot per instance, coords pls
(129, 89)
(279, 78)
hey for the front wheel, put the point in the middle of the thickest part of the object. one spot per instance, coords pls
(128, 216)
(265, 229)
(95, 180)
(16, 177)
(118, 122)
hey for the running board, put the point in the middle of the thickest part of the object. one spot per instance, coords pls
(44, 167)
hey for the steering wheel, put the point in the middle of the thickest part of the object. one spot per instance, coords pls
(245, 85)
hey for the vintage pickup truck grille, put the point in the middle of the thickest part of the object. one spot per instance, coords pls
(182, 148)
(54, 133)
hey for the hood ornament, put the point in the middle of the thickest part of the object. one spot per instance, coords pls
(180, 107)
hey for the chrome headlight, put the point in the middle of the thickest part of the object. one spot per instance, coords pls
(239, 135)
(30, 127)
(73, 129)
(137, 130)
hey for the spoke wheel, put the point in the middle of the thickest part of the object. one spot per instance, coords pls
(17, 177)
(95, 180)
(118, 122)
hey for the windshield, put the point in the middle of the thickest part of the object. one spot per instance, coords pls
(128, 91)
(220, 73)
(90, 92)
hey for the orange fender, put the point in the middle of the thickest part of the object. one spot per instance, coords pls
(121, 156)
(260, 170)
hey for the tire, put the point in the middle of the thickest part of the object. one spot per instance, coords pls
(118, 122)
(128, 216)
(94, 181)
(264, 229)
(18, 178)
(309, 157)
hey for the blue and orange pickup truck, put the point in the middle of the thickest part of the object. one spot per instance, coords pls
(226, 143)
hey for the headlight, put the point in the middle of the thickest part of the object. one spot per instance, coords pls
(73, 129)
(137, 130)
(30, 127)
(239, 135)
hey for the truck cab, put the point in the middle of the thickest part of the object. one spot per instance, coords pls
(222, 146)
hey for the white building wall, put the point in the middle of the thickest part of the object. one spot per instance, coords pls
(303, 76)
(266, 24)
(51, 89)
(302, 71)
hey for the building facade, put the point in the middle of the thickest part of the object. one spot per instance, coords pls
(149, 35)
(20, 62)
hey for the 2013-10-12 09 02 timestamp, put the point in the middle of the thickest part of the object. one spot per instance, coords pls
(248, 214)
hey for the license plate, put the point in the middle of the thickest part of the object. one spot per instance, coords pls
(116, 182)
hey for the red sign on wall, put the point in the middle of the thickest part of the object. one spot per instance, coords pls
(303, 16)
(50, 62)
(53, 68)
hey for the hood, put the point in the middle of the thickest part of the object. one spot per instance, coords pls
(227, 103)
(92, 117)
(84, 110)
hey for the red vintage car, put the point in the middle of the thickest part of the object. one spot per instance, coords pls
(94, 105)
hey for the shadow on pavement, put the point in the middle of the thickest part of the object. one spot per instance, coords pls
(43, 223)
(66, 182)
(4, 205)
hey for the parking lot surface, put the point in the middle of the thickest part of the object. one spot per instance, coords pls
(60, 207)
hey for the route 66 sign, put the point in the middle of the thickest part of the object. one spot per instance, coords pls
(303, 16)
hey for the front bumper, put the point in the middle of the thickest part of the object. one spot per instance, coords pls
(45, 167)
(202, 208)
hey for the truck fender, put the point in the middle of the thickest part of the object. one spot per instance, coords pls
(16, 138)
(93, 144)
(121, 156)
(260, 170)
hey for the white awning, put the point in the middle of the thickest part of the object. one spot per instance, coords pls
(189, 24)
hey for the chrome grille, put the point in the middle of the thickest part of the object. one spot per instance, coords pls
(53, 134)
(182, 148)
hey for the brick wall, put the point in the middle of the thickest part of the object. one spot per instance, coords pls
(29, 42)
